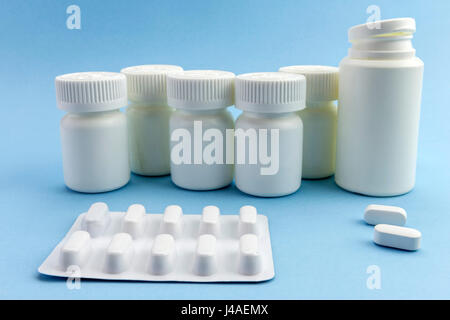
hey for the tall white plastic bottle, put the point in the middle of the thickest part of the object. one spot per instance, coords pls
(380, 84)
(148, 117)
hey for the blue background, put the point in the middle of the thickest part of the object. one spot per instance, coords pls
(321, 246)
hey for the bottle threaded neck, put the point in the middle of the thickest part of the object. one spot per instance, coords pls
(385, 39)
(383, 47)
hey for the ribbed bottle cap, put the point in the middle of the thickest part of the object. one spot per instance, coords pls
(200, 89)
(147, 83)
(400, 26)
(91, 91)
(270, 92)
(321, 81)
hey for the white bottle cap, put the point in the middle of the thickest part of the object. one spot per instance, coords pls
(321, 81)
(400, 26)
(200, 89)
(270, 92)
(91, 91)
(147, 83)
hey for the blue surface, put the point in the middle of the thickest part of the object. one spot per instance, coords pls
(321, 246)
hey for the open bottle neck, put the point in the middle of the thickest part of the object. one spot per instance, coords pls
(383, 47)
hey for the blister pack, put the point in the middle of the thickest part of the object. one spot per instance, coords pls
(172, 246)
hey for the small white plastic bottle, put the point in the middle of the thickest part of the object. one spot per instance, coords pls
(200, 128)
(94, 132)
(380, 85)
(319, 119)
(269, 133)
(148, 117)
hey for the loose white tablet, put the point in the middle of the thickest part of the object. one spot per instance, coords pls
(397, 237)
(377, 214)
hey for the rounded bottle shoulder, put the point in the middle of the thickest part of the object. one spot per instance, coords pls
(94, 119)
(319, 111)
(247, 119)
(183, 118)
(414, 62)
(143, 109)
(184, 114)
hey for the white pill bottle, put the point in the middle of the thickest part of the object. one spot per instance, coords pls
(94, 132)
(380, 84)
(148, 117)
(269, 133)
(319, 119)
(201, 128)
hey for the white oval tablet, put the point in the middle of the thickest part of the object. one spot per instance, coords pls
(209, 222)
(172, 220)
(397, 237)
(250, 261)
(134, 220)
(248, 217)
(379, 214)
(205, 263)
(76, 249)
(119, 253)
(162, 255)
(96, 219)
